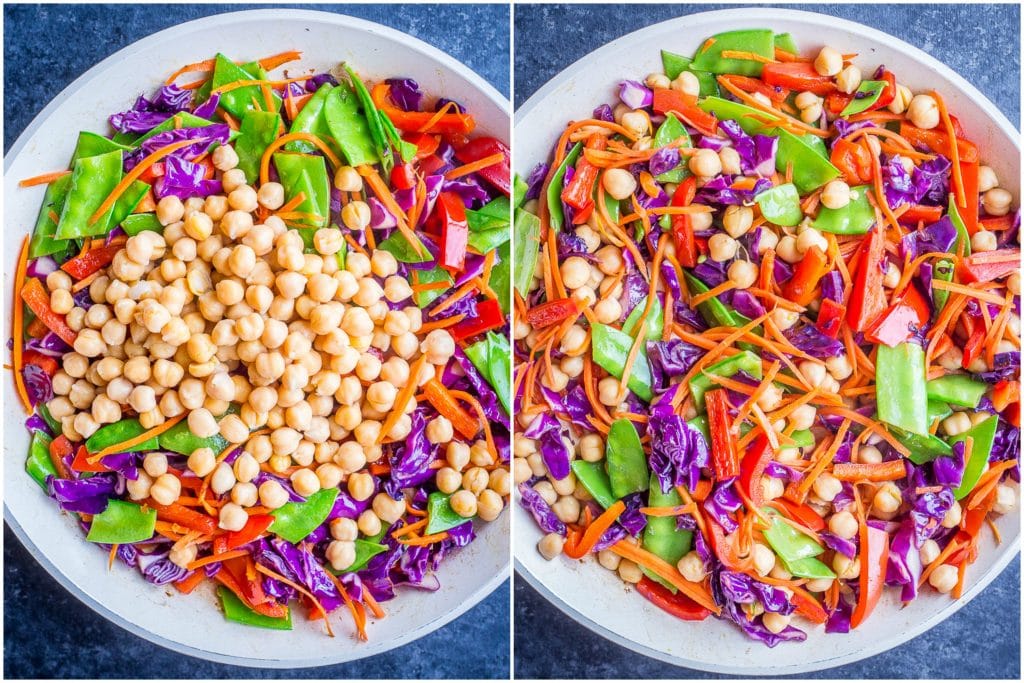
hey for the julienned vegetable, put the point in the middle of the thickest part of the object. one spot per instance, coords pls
(260, 332)
(790, 294)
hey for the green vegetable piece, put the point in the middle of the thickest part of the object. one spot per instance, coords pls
(294, 521)
(501, 276)
(661, 536)
(500, 369)
(180, 120)
(610, 349)
(526, 243)
(349, 128)
(655, 321)
(554, 190)
(595, 481)
(373, 120)
(900, 387)
(625, 459)
(366, 550)
(140, 222)
(307, 174)
(856, 218)
(788, 543)
(127, 202)
(781, 205)
(240, 100)
(51, 422)
(811, 169)
(962, 236)
(713, 310)
(258, 129)
(237, 611)
(488, 227)
(943, 270)
(398, 246)
(92, 145)
(122, 522)
(406, 150)
(92, 181)
(519, 190)
(310, 119)
(180, 439)
(668, 132)
(960, 390)
(937, 410)
(676, 64)
(802, 438)
(984, 435)
(43, 241)
(867, 94)
(922, 448)
(786, 43)
(436, 274)
(38, 464)
(748, 118)
(727, 367)
(440, 515)
(119, 432)
(757, 41)
(809, 568)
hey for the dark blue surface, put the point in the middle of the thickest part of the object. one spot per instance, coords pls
(981, 43)
(47, 632)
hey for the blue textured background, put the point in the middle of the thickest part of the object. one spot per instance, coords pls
(982, 43)
(47, 632)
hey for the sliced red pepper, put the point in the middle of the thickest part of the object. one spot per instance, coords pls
(1012, 414)
(488, 317)
(451, 214)
(552, 312)
(231, 582)
(919, 213)
(685, 106)
(430, 163)
(812, 267)
(807, 607)
(416, 121)
(989, 265)
(724, 461)
(874, 559)
(186, 517)
(678, 604)
(852, 160)
(997, 223)
(45, 363)
(894, 326)
(682, 227)
(830, 318)
(777, 94)
(81, 462)
(798, 76)
(152, 172)
(939, 142)
(888, 95)
(498, 175)
(975, 344)
(867, 298)
(583, 215)
(724, 546)
(802, 513)
(579, 193)
(758, 455)
(1004, 393)
(38, 301)
(426, 145)
(969, 213)
(836, 102)
(252, 530)
(81, 267)
(403, 177)
(912, 297)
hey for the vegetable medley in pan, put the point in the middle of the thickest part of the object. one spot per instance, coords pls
(767, 339)
(260, 333)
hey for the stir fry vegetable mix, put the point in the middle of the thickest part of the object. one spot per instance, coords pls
(260, 333)
(767, 339)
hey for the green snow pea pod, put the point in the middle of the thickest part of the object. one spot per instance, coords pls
(943, 270)
(440, 515)
(811, 169)
(922, 448)
(308, 174)
(984, 435)
(960, 390)
(962, 236)
(746, 361)
(519, 190)
(867, 94)
(526, 243)
(758, 41)
(258, 129)
(781, 205)
(500, 369)
(237, 611)
(349, 127)
(311, 120)
(809, 568)
(92, 181)
(610, 349)
(713, 310)
(435, 274)
(43, 242)
(937, 410)
(670, 131)
(294, 521)
(373, 120)
(119, 432)
(900, 387)
(406, 150)
(661, 536)
(240, 100)
(788, 543)
(127, 202)
(398, 246)
(182, 119)
(51, 422)
(625, 459)
(501, 276)
(856, 218)
(595, 481)
(92, 145)
(676, 64)
(786, 43)
(122, 522)
(488, 226)
(700, 423)
(554, 190)
(38, 464)
(140, 222)
(748, 118)
(655, 321)
(180, 439)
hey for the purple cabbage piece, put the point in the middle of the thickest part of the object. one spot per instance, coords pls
(405, 93)
(542, 513)
(38, 384)
(146, 115)
(49, 345)
(842, 546)
(928, 511)
(309, 572)
(1006, 446)
(747, 304)
(635, 95)
(678, 452)
(489, 400)
(604, 113)
(472, 192)
(159, 570)
(711, 273)
(314, 82)
(755, 628)
(380, 217)
(204, 138)
(926, 184)
(1005, 365)
(839, 618)
(939, 236)
(757, 154)
(813, 342)
(670, 359)
(742, 589)
(444, 101)
(844, 127)
(904, 568)
(554, 448)
(717, 144)
(133, 121)
(89, 496)
(949, 470)
(723, 502)
(207, 109)
(631, 519)
(36, 423)
(184, 179)
(832, 287)
(410, 461)
(536, 179)
(718, 191)
(663, 161)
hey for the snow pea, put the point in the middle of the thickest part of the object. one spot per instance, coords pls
(373, 120)
(943, 270)
(237, 611)
(661, 536)
(140, 222)
(240, 100)
(501, 276)
(788, 543)
(38, 464)
(655, 321)
(398, 246)
(983, 435)
(349, 128)
(625, 459)
(746, 361)
(809, 568)
(258, 129)
(714, 311)
(366, 550)
(670, 131)
(963, 237)
(488, 226)
(526, 243)
(960, 390)
(937, 410)
(119, 432)
(294, 521)
(748, 118)
(519, 190)
(43, 241)
(758, 41)
(122, 522)
(51, 422)
(436, 274)
(786, 43)
(491, 357)
(182, 119)
(867, 94)
(180, 439)
(900, 387)
(440, 515)
(595, 480)
(127, 202)
(92, 145)
(610, 349)
(923, 448)
(310, 119)
(856, 218)
(554, 190)
(308, 174)
(92, 180)
(406, 150)
(676, 64)
(811, 169)
(781, 205)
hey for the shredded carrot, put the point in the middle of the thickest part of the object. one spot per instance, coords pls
(969, 292)
(135, 174)
(696, 592)
(425, 540)
(594, 531)
(380, 189)
(746, 56)
(301, 589)
(475, 166)
(954, 151)
(210, 559)
(17, 325)
(44, 179)
(136, 440)
(404, 394)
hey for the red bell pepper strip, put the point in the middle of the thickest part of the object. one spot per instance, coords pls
(989, 265)
(179, 514)
(685, 106)
(38, 301)
(759, 454)
(1004, 393)
(893, 326)
(426, 145)
(777, 94)
(403, 177)
(830, 318)
(451, 214)
(724, 546)
(682, 227)
(45, 363)
(939, 142)
(888, 95)
(584, 214)
(912, 297)
(552, 312)
(153, 172)
(874, 559)
(488, 317)
(91, 261)
(724, 461)
(969, 212)
(678, 604)
(853, 160)
(252, 530)
(416, 121)
(60, 448)
(498, 175)
(245, 592)
(579, 193)
(797, 76)
(812, 267)
(81, 462)
(975, 341)
(867, 298)
(997, 223)
(917, 213)
(836, 102)
(802, 513)
(807, 607)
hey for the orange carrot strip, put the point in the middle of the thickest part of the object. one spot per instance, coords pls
(134, 175)
(44, 179)
(135, 441)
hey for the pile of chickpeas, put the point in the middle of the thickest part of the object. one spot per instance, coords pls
(221, 311)
(596, 282)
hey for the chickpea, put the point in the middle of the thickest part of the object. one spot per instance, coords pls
(272, 495)
(691, 566)
(61, 301)
(722, 247)
(944, 578)
(957, 423)
(202, 461)
(848, 80)
(997, 201)
(730, 159)
(360, 487)
(550, 546)
(490, 505)
(953, 516)
(923, 111)
(742, 273)
(138, 489)
(737, 220)
(686, 82)
(836, 194)
(705, 163)
(845, 567)
(829, 62)
(827, 487)
(232, 517)
(843, 524)
(90, 344)
(166, 489)
(618, 182)
(201, 422)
